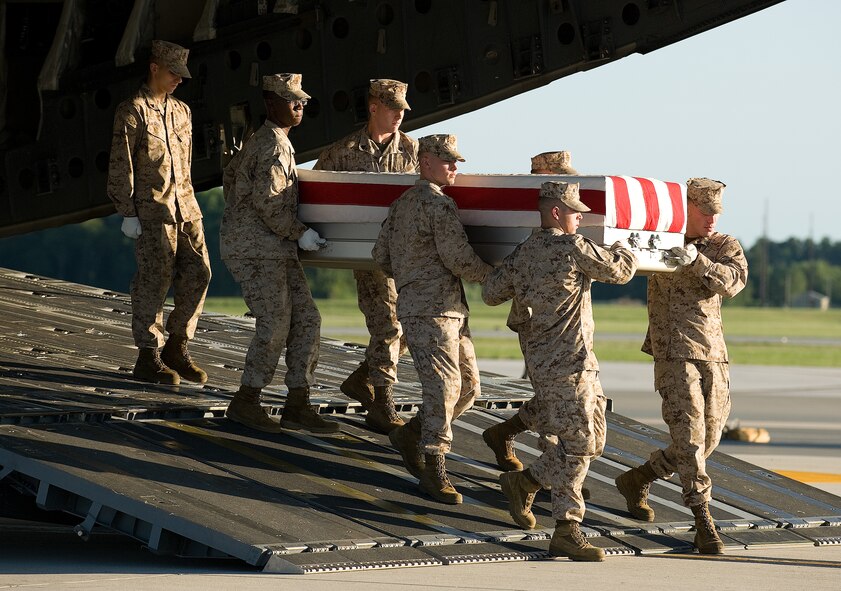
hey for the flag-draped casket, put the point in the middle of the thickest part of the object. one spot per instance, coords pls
(498, 212)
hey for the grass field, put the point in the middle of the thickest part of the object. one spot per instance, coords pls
(622, 328)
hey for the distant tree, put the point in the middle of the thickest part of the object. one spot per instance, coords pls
(96, 253)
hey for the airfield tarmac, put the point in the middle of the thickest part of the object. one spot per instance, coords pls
(800, 407)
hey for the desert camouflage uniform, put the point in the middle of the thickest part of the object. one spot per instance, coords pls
(259, 234)
(691, 370)
(149, 178)
(549, 277)
(376, 294)
(423, 246)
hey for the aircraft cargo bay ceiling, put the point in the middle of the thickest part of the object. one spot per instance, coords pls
(64, 67)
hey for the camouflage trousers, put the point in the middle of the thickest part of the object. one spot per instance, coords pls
(278, 296)
(377, 299)
(446, 364)
(545, 442)
(168, 255)
(696, 404)
(568, 412)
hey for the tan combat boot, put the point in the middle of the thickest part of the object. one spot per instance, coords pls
(298, 414)
(634, 485)
(706, 538)
(435, 482)
(406, 440)
(382, 416)
(150, 368)
(176, 356)
(500, 438)
(569, 541)
(519, 488)
(358, 386)
(245, 409)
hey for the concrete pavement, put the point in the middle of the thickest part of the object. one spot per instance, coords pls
(801, 407)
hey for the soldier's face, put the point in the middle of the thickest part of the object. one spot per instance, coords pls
(285, 113)
(441, 172)
(385, 120)
(698, 223)
(162, 79)
(568, 220)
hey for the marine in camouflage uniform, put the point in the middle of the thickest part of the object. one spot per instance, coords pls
(380, 146)
(500, 437)
(548, 276)
(424, 247)
(691, 370)
(150, 184)
(260, 236)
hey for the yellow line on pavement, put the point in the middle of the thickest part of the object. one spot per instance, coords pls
(750, 559)
(810, 477)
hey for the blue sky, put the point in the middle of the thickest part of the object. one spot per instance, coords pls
(754, 103)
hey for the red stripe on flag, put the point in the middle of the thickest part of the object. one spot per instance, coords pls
(652, 206)
(678, 215)
(492, 198)
(318, 193)
(595, 200)
(623, 202)
(475, 198)
(514, 199)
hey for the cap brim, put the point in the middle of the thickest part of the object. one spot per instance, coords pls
(180, 70)
(577, 206)
(294, 95)
(398, 105)
(705, 209)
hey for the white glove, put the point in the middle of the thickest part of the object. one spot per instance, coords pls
(310, 240)
(681, 256)
(131, 227)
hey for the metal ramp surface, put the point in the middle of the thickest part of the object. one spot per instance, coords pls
(160, 464)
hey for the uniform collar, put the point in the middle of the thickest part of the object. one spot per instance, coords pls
(554, 231)
(701, 241)
(278, 131)
(150, 99)
(364, 143)
(430, 184)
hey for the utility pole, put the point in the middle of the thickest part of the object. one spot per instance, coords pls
(763, 260)
(813, 272)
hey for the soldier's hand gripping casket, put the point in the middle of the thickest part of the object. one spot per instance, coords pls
(311, 241)
(131, 227)
(681, 256)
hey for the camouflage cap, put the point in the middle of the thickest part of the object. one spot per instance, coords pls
(392, 93)
(566, 193)
(555, 162)
(440, 145)
(705, 194)
(286, 86)
(172, 56)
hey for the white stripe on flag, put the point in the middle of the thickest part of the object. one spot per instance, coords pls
(637, 202)
(665, 203)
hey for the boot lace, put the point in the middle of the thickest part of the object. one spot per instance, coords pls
(707, 523)
(576, 535)
(441, 472)
(643, 500)
(157, 362)
(509, 447)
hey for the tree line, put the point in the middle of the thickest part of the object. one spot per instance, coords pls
(96, 253)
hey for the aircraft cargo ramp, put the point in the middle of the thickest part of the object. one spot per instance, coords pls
(162, 465)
